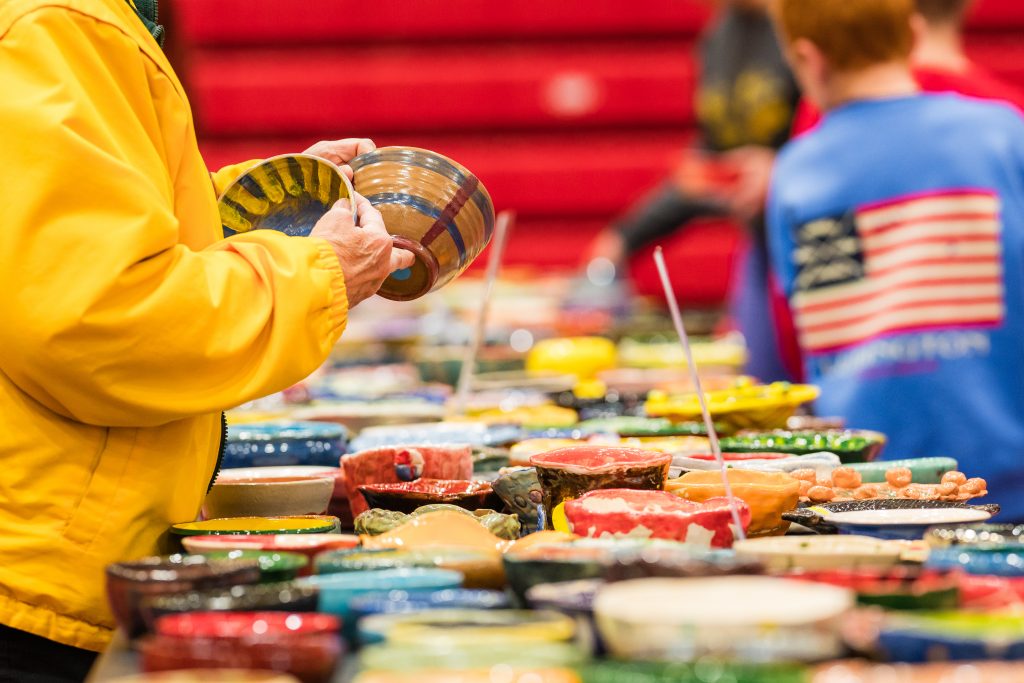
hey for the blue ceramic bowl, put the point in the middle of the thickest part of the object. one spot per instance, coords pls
(283, 442)
(405, 602)
(338, 590)
(985, 562)
(926, 642)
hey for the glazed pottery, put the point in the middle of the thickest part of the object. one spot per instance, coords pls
(923, 470)
(474, 627)
(977, 537)
(407, 496)
(663, 352)
(556, 563)
(819, 552)
(130, 583)
(575, 599)
(238, 496)
(897, 518)
(744, 407)
(375, 521)
(433, 207)
(895, 588)
(406, 657)
(745, 618)
(209, 676)
(571, 472)
(851, 445)
(284, 442)
(582, 357)
(480, 568)
(855, 671)
(409, 602)
(240, 526)
(359, 415)
(950, 636)
(626, 426)
(267, 597)
(1003, 562)
(337, 590)
(654, 514)
(436, 434)
(307, 544)
(393, 465)
(768, 494)
(338, 506)
(274, 565)
(519, 488)
(304, 645)
(444, 528)
(822, 463)
(530, 418)
(612, 671)
(287, 193)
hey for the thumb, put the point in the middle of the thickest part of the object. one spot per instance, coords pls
(400, 258)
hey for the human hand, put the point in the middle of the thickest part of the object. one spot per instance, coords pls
(366, 251)
(754, 164)
(341, 152)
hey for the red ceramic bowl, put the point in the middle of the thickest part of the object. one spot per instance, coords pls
(895, 587)
(409, 495)
(240, 625)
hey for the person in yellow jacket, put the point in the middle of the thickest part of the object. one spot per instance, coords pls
(128, 322)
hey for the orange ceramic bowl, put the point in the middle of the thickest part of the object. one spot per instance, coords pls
(768, 494)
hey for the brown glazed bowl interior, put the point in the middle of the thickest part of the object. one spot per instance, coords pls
(433, 207)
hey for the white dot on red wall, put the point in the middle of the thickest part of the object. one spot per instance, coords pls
(572, 94)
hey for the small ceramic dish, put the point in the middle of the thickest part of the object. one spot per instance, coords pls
(338, 590)
(396, 464)
(923, 470)
(762, 462)
(896, 588)
(236, 496)
(245, 624)
(309, 545)
(575, 599)
(209, 676)
(571, 472)
(768, 494)
(851, 445)
(337, 507)
(288, 193)
(977, 537)
(887, 518)
(129, 584)
(274, 565)
(417, 659)
(242, 526)
(284, 442)
(408, 602)
(950, 636)
(471, 628)
(407, 496)
(480, 568)
(441, 528)
(519, 489)
(556, 563)
(746, 618)
(267, 597)
(819, 553)
(1005, 562)
(744, 407)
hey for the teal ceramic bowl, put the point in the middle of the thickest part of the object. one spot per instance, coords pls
(274, 566)
(338, 590)
(924, 470)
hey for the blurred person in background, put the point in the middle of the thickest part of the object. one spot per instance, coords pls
(896, 228)
(746, 98)
(129, 322)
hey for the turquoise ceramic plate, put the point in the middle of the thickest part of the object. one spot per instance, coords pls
(287, 193)
(924, 470)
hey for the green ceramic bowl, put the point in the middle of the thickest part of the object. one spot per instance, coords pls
(851, 445)
(611, 671)
(274, 566)
(261, 526)
(924, 470)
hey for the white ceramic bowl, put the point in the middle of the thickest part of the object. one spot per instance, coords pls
(742, 618)
(266, 495)
(783, 553)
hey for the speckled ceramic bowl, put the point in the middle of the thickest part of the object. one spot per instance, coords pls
(240, 496)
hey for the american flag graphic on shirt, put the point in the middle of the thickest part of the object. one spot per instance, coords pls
(916, 263)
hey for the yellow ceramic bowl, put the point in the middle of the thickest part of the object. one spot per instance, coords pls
(583, 357)
(472, 627)
(726, 353)
(768, 494)
(531, 417)
(298, 524)
(745, 407)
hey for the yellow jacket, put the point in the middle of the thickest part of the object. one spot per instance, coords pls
(127, 322)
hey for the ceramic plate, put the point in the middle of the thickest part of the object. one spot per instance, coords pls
(287, 193)
(305, 543)
(818, 552)
(897, 517)
(306, 524)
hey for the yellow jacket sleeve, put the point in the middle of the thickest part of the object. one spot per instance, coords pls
(120, 306)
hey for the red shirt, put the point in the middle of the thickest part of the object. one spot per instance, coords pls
(973, 82)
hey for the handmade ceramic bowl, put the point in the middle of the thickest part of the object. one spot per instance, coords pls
(655, 514)
(396, 464)
(359, 415)
(433, 207)
(519, 488)
(338, 506)
(571, 472)
(923, 470)
(950, 636)
(903, 519)
(480, 568)
(976, 537)
(283, 596)
(338, 590)
(817, 553)
(209, 676)
(582, 357)
(376, 522)
(274, 565)
(241, 526)
(407, 496)
(556, 563)
(854, 671)
(287, 193)
(237, 496)
(443, 528)
(409, 602)
(628, 425)
(894, 588)
(575, 599)
(304, 645)
(744, 618)
(407, 657)
(309, 545)
(474, 627)
(769, 495)
(130, 583)
(851, 445)
(822, 463)
(745, 407)
(1004, 562)
(612, 671)
(284, 442)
